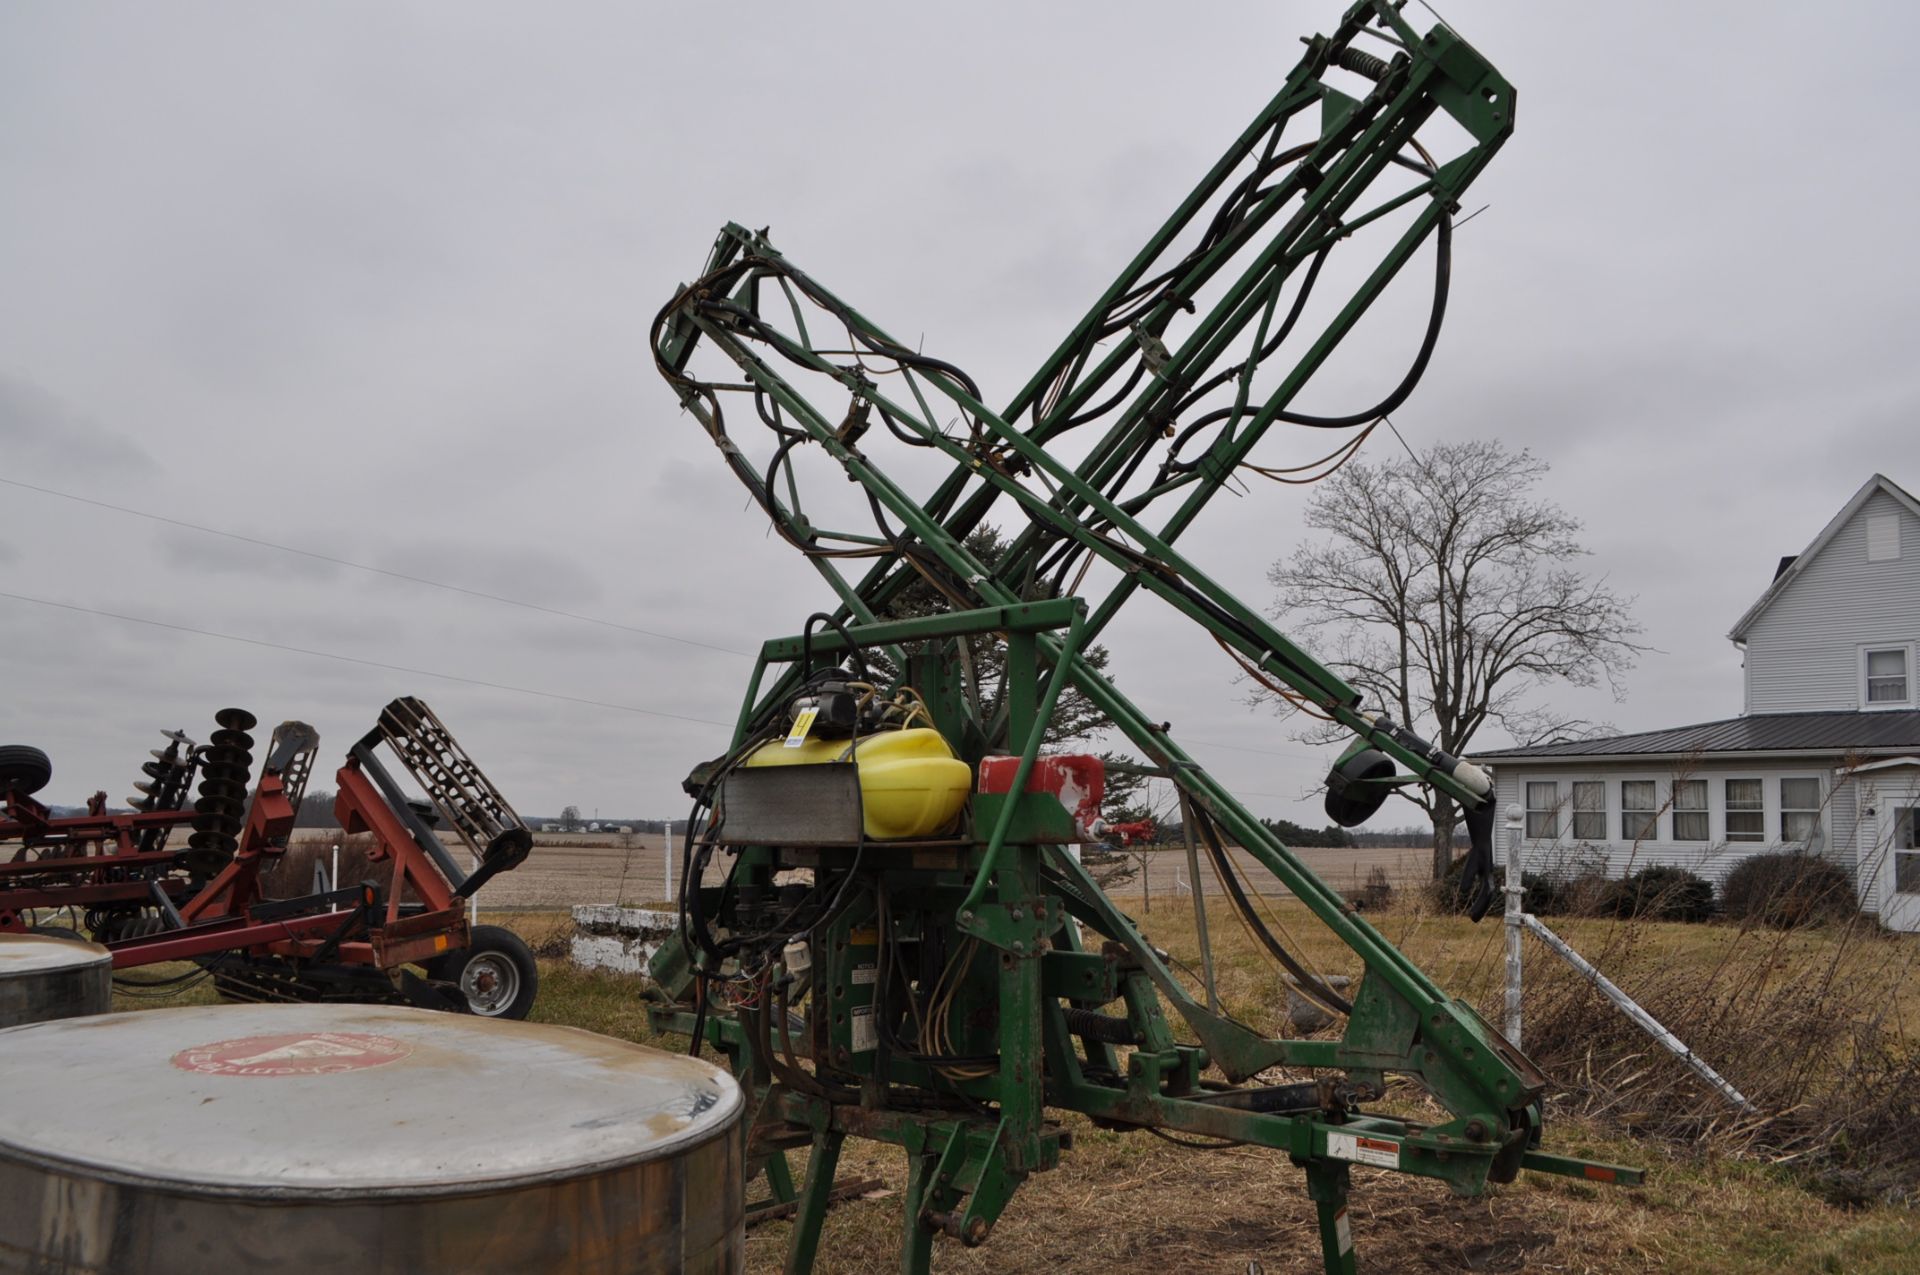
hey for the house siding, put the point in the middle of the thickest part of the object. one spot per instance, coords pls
(1563, 856)
(1803, 650)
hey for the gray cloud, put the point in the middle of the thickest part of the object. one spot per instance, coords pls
(41, 434)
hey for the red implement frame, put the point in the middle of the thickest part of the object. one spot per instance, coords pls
(101, 849)
(219, 917)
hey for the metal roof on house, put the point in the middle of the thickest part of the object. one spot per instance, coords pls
(1877, 732)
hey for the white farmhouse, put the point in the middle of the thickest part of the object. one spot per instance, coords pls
(1826, 755)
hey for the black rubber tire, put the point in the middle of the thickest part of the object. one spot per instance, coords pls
(24, 769)
(497, 974)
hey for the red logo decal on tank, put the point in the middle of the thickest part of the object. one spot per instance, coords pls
(292, 1054)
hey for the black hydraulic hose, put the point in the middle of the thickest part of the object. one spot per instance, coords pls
(1307, 982)
(839, 626)
(1273, 343)
(1442, 272)
(699, 1013)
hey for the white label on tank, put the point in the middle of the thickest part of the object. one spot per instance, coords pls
(865, 1039)
(1384, 1152)
(864, 974)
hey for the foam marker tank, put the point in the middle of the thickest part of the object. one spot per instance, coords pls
(42, 978)
(366, 1139)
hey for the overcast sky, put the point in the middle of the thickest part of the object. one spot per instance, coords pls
(374, 280)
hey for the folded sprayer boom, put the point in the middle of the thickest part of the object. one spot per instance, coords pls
(956, 983)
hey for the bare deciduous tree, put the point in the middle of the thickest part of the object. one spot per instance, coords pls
(1447, 594)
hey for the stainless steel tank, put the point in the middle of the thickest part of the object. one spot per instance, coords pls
(363, 1139)
(43, 977)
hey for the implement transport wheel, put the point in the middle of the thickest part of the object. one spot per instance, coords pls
(496, 974)
(23, 770)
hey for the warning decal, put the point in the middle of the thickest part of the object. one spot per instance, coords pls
(292, 1054)
(802, 723)
(1384, 1152)
(865, 1038)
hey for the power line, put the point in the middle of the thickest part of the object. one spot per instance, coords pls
(362, 566)
(1242, 748)
(354, 659)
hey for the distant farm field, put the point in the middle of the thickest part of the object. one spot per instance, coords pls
(569, 868)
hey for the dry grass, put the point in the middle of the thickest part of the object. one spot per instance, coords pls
(1719, 1198)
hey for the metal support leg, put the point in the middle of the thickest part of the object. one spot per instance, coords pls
(916, 1237)
(1327, 1184)
(812, 1213)
(780, 1177)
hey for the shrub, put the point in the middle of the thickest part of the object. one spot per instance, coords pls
(1787, 890)
(1590, 893)
(1376, 895)
(1542, 895)
(1660, 893)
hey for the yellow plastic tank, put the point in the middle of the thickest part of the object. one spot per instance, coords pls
(911, 784)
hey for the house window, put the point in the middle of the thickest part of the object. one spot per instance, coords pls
(1590, 810)
(1906, 851)
(1690, 810)
(1639, 810)
(1543, 810)
(1746, 810)
(1800, 812)
(1885, 677)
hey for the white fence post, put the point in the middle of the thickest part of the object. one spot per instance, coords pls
(1516, 899)
(669, 859)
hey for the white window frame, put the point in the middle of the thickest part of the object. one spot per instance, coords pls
(1627, 834)
(1704, 810)
(1549, 812)
(1727, 811)
(1818, 842)
(1575, 813)
(1906, 654)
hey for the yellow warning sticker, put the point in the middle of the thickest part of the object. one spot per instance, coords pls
(801, 725)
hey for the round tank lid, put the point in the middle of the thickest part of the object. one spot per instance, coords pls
(31, 953)
(298, 1100)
